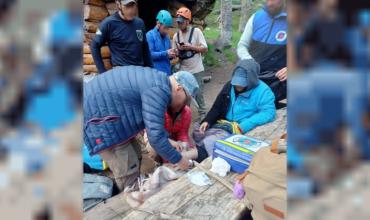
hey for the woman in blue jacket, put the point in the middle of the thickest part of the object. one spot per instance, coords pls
(159, 43)
(246, 101)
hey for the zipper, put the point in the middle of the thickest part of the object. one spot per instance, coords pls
(222, 153)
(109, 118)
(268, 36)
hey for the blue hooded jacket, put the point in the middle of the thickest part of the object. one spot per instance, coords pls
(158, 46)
(123, 101)
(255, 106)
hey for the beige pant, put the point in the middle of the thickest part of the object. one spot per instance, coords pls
(124, 161)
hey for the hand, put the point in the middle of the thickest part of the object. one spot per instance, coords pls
(203, 127)
(282, 74)
(187, 46)
(171, 53)
(184, 163)
(176, 145)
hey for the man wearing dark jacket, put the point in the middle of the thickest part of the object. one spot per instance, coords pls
(123, 102)
(125, 34)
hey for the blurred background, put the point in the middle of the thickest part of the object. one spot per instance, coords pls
(40, 109)
(328, 109)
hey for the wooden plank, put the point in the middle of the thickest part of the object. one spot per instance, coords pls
(94, 13)
(105, 52)
(111, 7)
(92, 68)
(88, 37)
(115, 207)
(88, 59)
(100, 3)
(91, 26)
(182, 200)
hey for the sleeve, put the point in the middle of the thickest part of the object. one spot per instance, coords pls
(266, 111)
(146, 52)
(183, 134)
(154, 106)
(214, 113)
(102, 35)
(174, 41)
(156, 55)
(201, 40)
(243, 45)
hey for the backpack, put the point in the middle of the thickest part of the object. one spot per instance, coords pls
(95, 190)
(265, 183)
(186, 54)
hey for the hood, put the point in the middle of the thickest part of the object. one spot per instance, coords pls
(252, 69)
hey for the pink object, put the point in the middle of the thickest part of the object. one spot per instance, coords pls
(238, 190)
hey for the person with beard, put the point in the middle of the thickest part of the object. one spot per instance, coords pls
(264, 39)
(245, 102)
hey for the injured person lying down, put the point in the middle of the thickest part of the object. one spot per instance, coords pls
(244, 103)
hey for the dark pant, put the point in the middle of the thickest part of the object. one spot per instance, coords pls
(279, 89)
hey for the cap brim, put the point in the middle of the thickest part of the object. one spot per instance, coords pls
(126, 2)
(239, 81)
(190, 100)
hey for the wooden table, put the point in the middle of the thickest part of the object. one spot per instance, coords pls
(181, 199)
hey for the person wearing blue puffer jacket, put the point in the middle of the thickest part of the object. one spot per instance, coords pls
(120, 104)
(160, 44)
(245, 101)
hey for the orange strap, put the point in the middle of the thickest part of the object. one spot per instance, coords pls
(275, 143)
(273, 211)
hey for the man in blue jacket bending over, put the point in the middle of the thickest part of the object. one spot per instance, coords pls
(118, 105)
(160, 44)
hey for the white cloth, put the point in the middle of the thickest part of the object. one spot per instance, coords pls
(220, 166)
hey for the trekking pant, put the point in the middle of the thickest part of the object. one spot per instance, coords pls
(124, 161)
(200, 98)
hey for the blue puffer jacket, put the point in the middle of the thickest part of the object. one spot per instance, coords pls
(123, 101)
(158, 47)
(255, 106)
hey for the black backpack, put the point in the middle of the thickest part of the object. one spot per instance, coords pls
(186, 54)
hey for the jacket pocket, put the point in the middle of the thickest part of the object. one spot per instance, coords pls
(101, 132)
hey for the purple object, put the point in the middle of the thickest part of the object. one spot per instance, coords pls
(238, 190)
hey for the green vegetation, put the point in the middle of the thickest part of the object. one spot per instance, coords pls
(212, 32)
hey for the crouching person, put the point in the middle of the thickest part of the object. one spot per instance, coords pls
(118, 105)
(242, 104)
(177, 125)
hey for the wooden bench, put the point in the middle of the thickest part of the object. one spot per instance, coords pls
(181, 199)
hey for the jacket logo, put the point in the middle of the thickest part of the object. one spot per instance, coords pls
(280, 36)
(98, 141)
(139, 34)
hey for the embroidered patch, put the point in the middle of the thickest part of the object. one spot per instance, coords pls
(139, 34)
(280, 36)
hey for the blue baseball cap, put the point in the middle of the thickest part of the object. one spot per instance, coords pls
(239, 78)
(190, 85)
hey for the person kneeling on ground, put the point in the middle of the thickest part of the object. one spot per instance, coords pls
(243, 104)
(177, 125)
